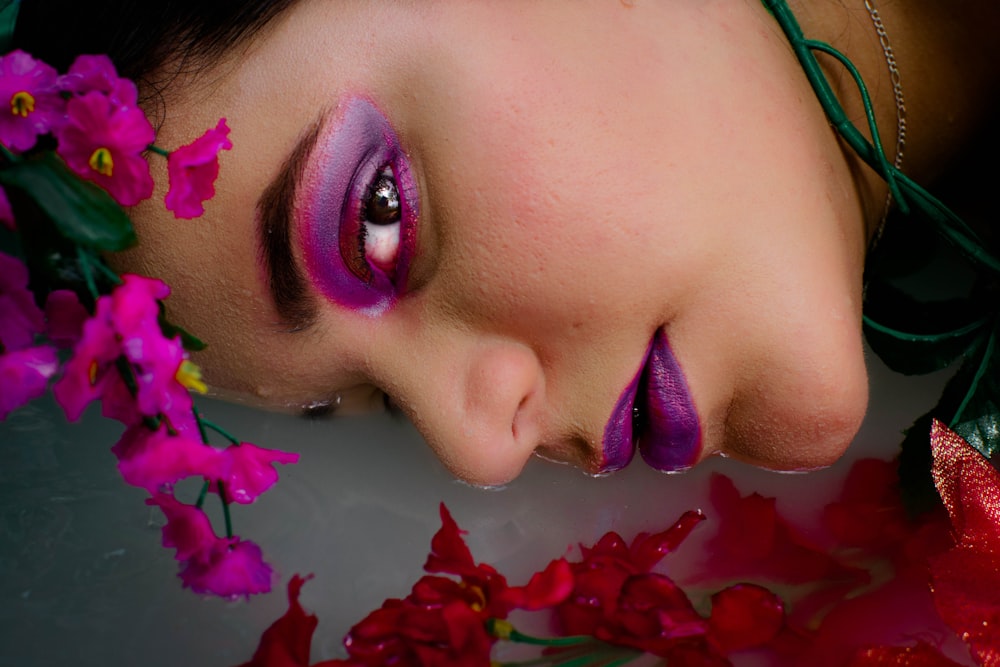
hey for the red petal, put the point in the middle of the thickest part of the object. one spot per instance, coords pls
(745, 616)
(449, 552)
(287, 642)
(648, 550)
(921, 655)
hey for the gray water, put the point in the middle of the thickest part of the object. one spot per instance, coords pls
(85, 582)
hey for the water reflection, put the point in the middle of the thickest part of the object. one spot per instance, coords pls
(84, 580)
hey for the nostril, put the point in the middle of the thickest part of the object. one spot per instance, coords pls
(515, 431)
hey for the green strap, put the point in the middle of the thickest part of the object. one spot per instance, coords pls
(907, 193)
(8, 19)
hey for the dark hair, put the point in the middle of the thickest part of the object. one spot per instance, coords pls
(140, 36)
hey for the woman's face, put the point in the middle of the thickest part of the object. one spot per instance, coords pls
(574, 213)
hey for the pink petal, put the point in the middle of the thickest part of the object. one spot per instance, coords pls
(230, 568)
(192, 170)
(188, 529)
(154, 459)
(251, 470)
(24, 376)
(64, 316)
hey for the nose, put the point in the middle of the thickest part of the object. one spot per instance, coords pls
(480, 406)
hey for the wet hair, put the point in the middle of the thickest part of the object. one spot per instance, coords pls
(141, 36)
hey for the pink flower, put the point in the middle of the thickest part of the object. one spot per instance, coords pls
(20, 318)
(90, 370)
(64, 318)
(154, 459)
(104, 142)
(28, 88)
(6, 213)
(249, 470)
(126, 323)
(227, 567)
(24, 375)
(97, 73)
(188, 529)
(193, 169)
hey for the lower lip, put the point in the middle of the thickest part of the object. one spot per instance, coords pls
(671, 439)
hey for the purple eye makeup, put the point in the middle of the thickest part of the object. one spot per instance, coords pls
(357, 211)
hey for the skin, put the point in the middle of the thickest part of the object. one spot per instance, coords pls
(588, 173)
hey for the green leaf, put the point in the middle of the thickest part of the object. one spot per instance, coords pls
(977, 418)
(190, 342)
(917, 354)
(82, 212)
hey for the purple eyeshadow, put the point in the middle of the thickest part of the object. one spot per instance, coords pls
(351, 151)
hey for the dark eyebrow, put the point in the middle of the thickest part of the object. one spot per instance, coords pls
(295, 305)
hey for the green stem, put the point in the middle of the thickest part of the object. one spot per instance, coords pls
(906, 191)
(218, 429)
(574, 640)
(203, 494)
(225, 508)
(156, 149)
(88, 272)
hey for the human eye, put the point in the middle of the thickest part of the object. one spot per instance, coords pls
(358, 211)
(376, 235)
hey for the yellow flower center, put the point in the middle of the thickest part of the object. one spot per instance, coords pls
(101, 162)
(189, 375)
(92, 373)
(22, 103)
(501, 629)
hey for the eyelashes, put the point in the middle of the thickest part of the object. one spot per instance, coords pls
(358, 213)
(379, 229)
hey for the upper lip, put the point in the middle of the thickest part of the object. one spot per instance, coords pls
(654, 414)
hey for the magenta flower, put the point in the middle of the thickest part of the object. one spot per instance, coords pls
(153, 460)
(6, 213)
(104, 143)
(126, 323)
(249, 470)
(64, 318)
(188, 529)
(20, 318)
(24, 375)
(227, 567)
(97, 73)
(193, 169)
(89, 372)
(29, 87)
(231, 568)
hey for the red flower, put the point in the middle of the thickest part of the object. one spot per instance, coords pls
(965, 580)
(287, 641)
(104, 142)
(617, 599)
(744, 616)
(193, 169)
(442, 621)
(28, 90)
(449, 554)
(920, 655)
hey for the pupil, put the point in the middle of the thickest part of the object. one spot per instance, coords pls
(383, 207)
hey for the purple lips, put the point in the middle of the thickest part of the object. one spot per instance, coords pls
(669, 436)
